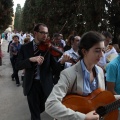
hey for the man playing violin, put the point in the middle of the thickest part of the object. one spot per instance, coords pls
(39, 67)
(72, 54)
(69, 57)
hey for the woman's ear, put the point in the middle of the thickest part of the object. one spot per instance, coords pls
(83, 52)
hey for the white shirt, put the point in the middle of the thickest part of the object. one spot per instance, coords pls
(74, 55)
(63, 42)
(103, 60)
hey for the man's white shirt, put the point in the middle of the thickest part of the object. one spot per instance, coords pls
(74, 55)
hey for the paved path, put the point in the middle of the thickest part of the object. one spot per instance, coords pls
(13, 104)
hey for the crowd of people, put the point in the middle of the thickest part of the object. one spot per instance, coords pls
(83, 64)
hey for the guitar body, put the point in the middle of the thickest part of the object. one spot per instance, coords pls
(91, 102)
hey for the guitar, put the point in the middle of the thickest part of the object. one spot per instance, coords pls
(103, 102)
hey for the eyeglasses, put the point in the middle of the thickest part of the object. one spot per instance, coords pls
(44, 33)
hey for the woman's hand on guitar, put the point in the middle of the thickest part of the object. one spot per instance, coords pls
(92, 116)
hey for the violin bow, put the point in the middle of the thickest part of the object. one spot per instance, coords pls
(63, 27)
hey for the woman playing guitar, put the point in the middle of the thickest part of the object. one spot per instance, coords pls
(82, 79)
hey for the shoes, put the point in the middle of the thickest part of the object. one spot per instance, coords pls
(18, 85)
(12, 77)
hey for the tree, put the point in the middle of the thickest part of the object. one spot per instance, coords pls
(81, 15)
(27, 17)
(114, 18)
(6, 14)
(17, 21)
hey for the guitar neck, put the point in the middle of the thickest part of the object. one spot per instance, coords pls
(102, 110)
(113, 106)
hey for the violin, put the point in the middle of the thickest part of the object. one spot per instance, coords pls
(54, 50)
(47, 46)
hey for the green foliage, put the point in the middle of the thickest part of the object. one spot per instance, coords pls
(114, 16)
(28, 16)
(81, 15)
(17, 21)
(6, 14)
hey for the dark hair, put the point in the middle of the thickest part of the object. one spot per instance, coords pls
(26, 40)
(15, 36)
(36, 28)
(107, 34)
(72, 38)
(56, 35)
(119, 43)
(88, 40)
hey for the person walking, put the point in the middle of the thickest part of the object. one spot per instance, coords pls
(39, 67)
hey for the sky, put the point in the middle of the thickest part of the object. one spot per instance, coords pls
(21, 2)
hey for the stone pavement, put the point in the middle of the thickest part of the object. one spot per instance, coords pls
(13, 104)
